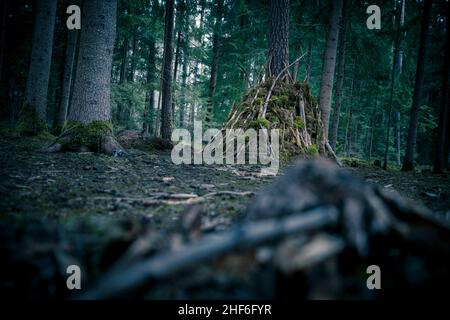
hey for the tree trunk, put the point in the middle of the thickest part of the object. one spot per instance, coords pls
(175, 69)
(399, 56)
(122, 79)
(214, 63)
(329, 64)
(340, 74)
(3, 17)
(391, 97)
(397, 135)
(278, 38)
(348, 119)
(41, 55)
(92, 87)
(442, 145)
(166, 97)
(150, 97)
(66, 89)
(408, 163)
(184, 77)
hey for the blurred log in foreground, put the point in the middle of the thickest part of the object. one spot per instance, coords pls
(312, 235)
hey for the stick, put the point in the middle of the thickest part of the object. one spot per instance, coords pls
(246, 236)
(266, 102)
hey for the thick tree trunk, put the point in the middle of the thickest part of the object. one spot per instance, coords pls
(278, 38)
(41, 55)
(442, 144)
(92, 88)
(214, 63)
(166, 97)
(66, 89)
(408, 163)
(340, 74)
(329, 64)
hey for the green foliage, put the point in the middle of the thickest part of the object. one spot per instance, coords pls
(260, 122)
(312, 150)
(29, 123)
(299, 123)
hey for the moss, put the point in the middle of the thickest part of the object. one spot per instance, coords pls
(299, 123)
(354, 162)
(312, 150)
(77, 135)
(29, 123)
(258, 101)
(260, 122)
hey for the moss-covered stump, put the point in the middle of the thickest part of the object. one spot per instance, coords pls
(96, 136)
(29, 123)
(288, 107)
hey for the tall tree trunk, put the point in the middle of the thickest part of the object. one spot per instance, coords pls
(442, 144)
(150, 97)
(408, 163)
(329, 64)
(166, 97)
(67, 82)
(41, 55)
(399, 56)
(122, 79)
(340, 73)
(391, 96)
(278, 38)
(184, 77)
(214, 63)
(175, 69)
(92, 87)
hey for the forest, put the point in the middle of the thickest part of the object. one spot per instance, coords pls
(224, 149)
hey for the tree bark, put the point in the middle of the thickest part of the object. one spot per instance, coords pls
(214, 63)
(166, 103)
(175, 69)
(442, 144)
(92, 88)
(408, 163)
(122, 79)
(340, 74)
(66, 89)
(41, 55)
(278, 38)
(329, 64)
(149, 112)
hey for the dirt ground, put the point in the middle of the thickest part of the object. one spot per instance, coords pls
(111, 199)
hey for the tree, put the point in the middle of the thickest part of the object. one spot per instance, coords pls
(166, 78)
(329, 64)
(340, 74)
(408, 162)
(39, 70)
(66, 89)
(278, 37)
(214, 62)
(89, 120)
(442, 138)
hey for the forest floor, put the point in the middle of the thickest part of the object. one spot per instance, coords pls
(117, 197)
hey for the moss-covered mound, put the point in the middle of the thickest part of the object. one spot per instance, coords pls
(288, 107)
(77, 136)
